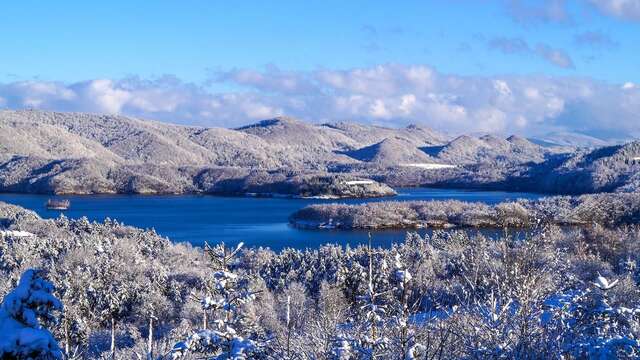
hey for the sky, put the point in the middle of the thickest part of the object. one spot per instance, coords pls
(500, 66)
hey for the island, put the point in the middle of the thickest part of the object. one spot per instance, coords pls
(603, 209)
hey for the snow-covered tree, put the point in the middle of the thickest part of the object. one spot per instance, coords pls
(586, 323)
(234, 335)
(154, 298)
(403, 337)
(22, 336)
(322, 328)
(294, 315)
(114, 290)
(74, 279)
(369, 340)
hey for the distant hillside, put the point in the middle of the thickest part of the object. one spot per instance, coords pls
(51, 152)
(43, 151)
(572, 139)
(366, 134)
(391, 152)
(466, 150)
(605, 169)
(269, 144)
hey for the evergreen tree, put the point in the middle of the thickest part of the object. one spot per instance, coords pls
(234, 335)
(22, 336)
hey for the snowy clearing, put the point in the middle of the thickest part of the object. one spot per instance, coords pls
(359, 182)
(429, 166)
(15, 233)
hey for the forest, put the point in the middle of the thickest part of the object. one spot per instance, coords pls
(606, 209)
(74, 289)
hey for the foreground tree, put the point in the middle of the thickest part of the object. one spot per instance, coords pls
(235, 335)
(22, 336)
(114, 292)
(369, 340)
(586, 323)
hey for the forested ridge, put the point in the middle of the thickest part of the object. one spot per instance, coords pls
(83, 153)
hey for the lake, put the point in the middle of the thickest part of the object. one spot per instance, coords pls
(255, 221)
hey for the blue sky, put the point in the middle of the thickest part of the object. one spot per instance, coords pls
(190, 45)
(76, 40)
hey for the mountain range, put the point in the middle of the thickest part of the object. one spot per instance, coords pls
(53, 152)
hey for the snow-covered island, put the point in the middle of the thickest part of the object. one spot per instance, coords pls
(605, 209)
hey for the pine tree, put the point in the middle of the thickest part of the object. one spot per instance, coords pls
(404, 337)
(369, 342)
(22, 336)
(234, 336)
(587, 325)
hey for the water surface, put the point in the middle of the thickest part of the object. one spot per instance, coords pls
(256, 221)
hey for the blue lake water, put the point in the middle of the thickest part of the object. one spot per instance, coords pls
(255, 221)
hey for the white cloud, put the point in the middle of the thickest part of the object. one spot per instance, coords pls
(272, 80)
(502, 87)
(391, 94)
(407, 103)
(379, 110)
(539, 11)
(107, 97)
(557, 57)
(624, 9)
(533, 12)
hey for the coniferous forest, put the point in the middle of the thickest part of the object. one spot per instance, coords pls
(74, 289)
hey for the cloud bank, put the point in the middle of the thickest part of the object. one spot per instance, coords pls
(534, 12)
(391, 94)
(623, 9)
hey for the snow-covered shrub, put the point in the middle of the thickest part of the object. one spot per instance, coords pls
(586, 324)
(22, 336)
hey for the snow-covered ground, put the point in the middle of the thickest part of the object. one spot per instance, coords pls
(21, 334)
(429, 166)
(15, 233)
(359, 182)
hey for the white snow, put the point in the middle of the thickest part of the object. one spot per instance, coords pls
(603, 283)
(15, 233)
(359, 182)
(429, 166)
(320, 197)
(21, 334)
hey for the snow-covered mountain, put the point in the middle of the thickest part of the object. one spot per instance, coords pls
(571, 139)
